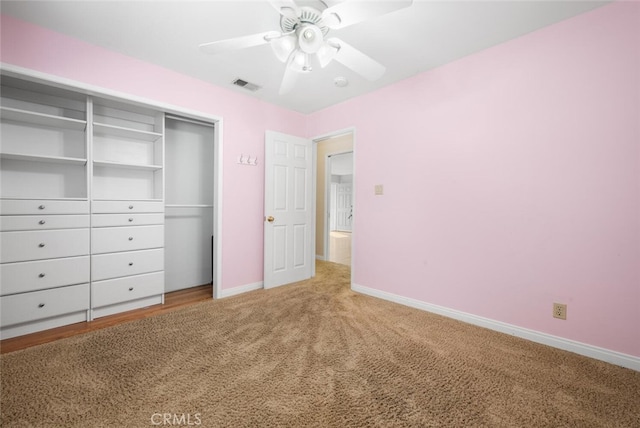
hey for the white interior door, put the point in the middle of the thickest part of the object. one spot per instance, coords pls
(344, 207)
(288, 209)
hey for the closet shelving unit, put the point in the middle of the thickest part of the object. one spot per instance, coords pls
(81, 207)
(127, 207)
(44, 208)
(84, 218)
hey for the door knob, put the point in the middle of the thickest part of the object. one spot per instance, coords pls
(270, 219)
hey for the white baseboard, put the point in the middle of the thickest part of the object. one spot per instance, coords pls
(228, 292)
(584, 349)
(320, 257)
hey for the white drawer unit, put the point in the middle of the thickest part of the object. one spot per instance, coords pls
(114, 265)
(42, 207)
(43, 222)
(43, 274)
(115, 239)
(114, 220)
(45, 244)
(114, 291)
(114, 207)
(37, 305)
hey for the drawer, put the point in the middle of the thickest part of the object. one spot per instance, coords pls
(114, 239)
(43, 244)
(44, 206)
(25, 307)
(112, 291)
(42, 274)
(109, 207)
(43, 222)
(114, 265)
(110, 220)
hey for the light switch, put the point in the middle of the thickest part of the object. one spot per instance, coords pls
(378, 189)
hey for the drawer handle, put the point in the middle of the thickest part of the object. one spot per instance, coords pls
(130, 263)
(41, 207)
(130, 220)
(130, 207)
(41, 244)
(130, 288)
(41, 305)
(131, 238)
(41, 222)
(41, 275)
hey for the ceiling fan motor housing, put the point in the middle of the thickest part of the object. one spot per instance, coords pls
(308, 15)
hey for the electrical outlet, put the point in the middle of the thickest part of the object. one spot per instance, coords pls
(378, 189)
(560, 311)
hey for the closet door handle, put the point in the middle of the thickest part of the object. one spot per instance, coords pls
(41, 207)
(41, 222)
(41, 244)
(130, 288)
(130, 263)
(41, 305)
(130, 220)
(131, 238)
(42, 275)
(130, 207)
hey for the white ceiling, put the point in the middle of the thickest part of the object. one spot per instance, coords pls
(409, 41)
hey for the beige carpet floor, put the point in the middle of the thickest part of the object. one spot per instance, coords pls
(310, 354)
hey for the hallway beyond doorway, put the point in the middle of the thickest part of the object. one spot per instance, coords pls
(340, 247)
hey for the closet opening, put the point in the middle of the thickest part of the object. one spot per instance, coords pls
(189, 203)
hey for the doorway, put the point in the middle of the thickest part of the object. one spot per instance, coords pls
(335, 197)
(340, 207)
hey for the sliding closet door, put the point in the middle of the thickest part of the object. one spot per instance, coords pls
(189, 203)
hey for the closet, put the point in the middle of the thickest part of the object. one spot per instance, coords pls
(105, 205)
(189, 203)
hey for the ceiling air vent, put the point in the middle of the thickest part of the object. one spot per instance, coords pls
(246, 85)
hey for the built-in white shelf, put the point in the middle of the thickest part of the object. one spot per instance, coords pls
(45, 198)
(119, 131)
(35, 118)
(125, 199)
(48, 159)
(188, 206)
(124, 165)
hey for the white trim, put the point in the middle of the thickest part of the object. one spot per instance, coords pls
(228, 292)
(584, 349)
(89, 90)
(320, 257)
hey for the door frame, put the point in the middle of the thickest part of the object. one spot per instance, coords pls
(315, 140)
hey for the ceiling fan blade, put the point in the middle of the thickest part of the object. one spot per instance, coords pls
(351, 12)
(287, 8)
(289, 80)
(357, 61)
(238, 43)
(291, 73)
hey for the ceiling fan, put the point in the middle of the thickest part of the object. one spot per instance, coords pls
(302, 39)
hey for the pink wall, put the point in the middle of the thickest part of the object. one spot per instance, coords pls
(512, 180)
(245, 121)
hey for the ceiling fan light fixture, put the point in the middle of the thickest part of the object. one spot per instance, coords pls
(300, 62)
(283, 47)
(310, 38)
(326, 53)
